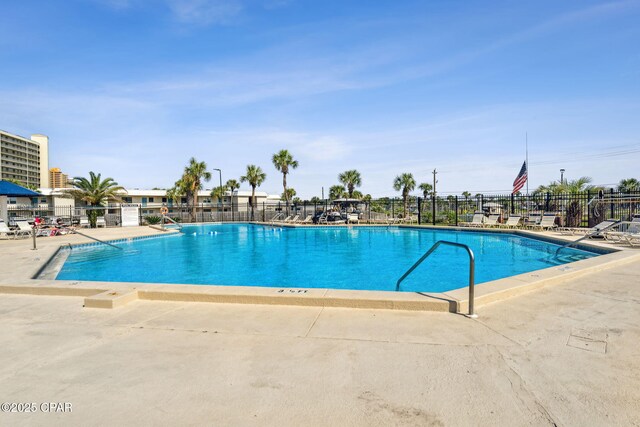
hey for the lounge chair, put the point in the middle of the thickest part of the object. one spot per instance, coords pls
(84, 222)
(491, 220)
(547, 222)
(100, 222)
(476, 221)
(630, 235)
(532, 220)
(595, 230)
(512, 222)
(307, 220)
(5, 231)
(293, 220)
(24, 228)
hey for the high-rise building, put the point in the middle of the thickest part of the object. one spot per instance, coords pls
(57, 179)
(25, 160)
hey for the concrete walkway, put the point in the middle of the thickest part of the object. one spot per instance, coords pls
(566, 355)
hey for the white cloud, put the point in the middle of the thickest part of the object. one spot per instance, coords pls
(205, 12)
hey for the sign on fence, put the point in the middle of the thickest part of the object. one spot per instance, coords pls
(130, 215)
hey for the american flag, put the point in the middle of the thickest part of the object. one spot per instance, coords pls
(520, 179)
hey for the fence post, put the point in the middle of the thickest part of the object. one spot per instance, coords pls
(419, 212)
(433, 209)
(456, 211)
(512, 204)
(612, 204)
(393, 208)
(546, 203)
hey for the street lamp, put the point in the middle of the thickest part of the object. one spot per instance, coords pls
(220, 198)
(561, 176)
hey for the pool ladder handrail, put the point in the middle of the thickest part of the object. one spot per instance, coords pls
(593, 233)
(97, 240)
(276, 217)
(172, 221)
(472, 269)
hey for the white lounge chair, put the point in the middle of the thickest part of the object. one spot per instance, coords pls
(84, 221)
(595, 230)
(307, 220)
(293, 220)
(532, 220)
(101, 222)
(512, 222)
(6, 232)
(547, 222)
(630, 235)
(491, 220)
(476, 221)
(24, 228)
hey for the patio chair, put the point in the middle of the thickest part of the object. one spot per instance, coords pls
(84, 222)
(5, 231)
(307, 220)
(101, 222)
(630, 235)
(292, 220)
(547, 222)
(595, 230)
(491, 221)
(532, 220)
(632, 238)
(512, 222)
(24, 228)
(476, 221)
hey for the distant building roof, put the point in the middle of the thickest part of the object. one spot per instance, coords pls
(10, 189)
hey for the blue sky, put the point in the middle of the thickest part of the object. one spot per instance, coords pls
(133, 88)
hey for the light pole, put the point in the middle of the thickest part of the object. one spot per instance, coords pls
(220, 195)
(561, 176)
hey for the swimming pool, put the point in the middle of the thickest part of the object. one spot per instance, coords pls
(362, 258)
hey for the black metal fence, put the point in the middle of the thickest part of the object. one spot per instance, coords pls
(574, 210)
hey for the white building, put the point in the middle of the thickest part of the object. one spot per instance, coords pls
(25, 160)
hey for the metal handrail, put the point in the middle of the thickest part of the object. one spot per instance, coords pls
(171, 220)
(472, 268)
(97, 240)
(593, 233)
(276, 217)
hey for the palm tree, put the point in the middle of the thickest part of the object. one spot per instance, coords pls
(466, 195)
(219, 192)
(315, 200)
(255, 177)
(350, 179)
(406, 184)
(289, 194)
(191, 182)
(283, 160)
(337, 192)
(356, 195)
(233, 185)
(426, 189)
(174, 194)
(94, 191)
(628, 185)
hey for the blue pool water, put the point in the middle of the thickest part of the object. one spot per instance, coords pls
(371, 258)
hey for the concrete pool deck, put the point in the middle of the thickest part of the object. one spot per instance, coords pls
(26, 264)
(565, 355)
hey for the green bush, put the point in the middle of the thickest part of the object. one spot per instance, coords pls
(176, 218)
(152, 219)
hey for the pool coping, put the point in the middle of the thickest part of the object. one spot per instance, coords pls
(115, 294)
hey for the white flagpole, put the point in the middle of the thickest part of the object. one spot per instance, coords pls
(526, 148)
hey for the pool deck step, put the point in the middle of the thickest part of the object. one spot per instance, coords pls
(111, 299)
